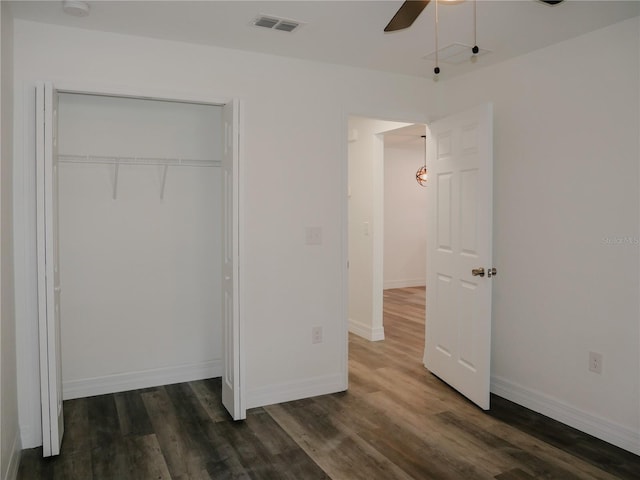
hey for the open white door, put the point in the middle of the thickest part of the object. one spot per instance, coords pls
(232, 397)
(48, 274)
(459, 244)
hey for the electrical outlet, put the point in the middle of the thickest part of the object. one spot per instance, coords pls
(316, 335)
(595, 362)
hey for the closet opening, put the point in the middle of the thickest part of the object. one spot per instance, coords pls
(140, 243)
(139, 237)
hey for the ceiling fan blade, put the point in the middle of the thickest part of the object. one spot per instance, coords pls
(406, 15)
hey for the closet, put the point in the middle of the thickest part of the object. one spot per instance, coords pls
(139, 194)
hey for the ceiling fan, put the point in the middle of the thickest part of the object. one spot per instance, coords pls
(410, 10)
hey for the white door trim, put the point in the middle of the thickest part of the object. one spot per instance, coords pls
(48, 286)
(89, 88)
(378, 228)
(233, 397)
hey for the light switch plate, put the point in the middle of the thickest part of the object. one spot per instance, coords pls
(313, 235)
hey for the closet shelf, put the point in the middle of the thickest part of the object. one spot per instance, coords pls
(168, 162)
(117, 161)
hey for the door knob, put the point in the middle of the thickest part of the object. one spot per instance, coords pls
(478, 272)
(492, 272)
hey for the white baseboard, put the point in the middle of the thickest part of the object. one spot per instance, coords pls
(290, 391)
(411, 282)
(366, 331)
(616, 434)
(134, 380)
(11, 473)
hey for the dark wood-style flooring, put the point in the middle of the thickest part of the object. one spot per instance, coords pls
(397, 421)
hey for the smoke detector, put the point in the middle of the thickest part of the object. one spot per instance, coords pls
(75, 8)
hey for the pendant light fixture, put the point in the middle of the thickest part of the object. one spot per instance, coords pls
(422, 174)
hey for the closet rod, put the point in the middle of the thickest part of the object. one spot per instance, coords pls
(137, 161)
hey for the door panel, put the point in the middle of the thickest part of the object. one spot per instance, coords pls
(232, 397)
(48, 272)
(458, 316)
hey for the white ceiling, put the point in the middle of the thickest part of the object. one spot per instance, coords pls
(348, 32)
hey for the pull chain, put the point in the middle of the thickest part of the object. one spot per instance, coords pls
(475, 48)
(437, 69)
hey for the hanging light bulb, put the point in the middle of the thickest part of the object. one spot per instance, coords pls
(422, 174)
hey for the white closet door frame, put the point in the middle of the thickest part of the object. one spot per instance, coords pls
(48, 273)
(205, 98)
(232, 395)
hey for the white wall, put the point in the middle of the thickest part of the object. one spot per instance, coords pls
(405, 218)
(566, 227)
(294, 151)
(366, 224)
(10, 444)
(140, 274)
(566, 178)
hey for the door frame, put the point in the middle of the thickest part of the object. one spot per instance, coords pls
(345, 222)
(377, 230)
(47, 264)
(196, 97)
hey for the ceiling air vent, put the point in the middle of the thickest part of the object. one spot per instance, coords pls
(287, 26)
(275, 23)
(266, 22)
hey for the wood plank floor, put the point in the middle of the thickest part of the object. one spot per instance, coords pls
(397, 421)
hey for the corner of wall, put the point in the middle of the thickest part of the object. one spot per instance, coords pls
(373, 334)
(15, 453)
(10, 441)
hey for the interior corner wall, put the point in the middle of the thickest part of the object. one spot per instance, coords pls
(10, 444)
(405, 219)
(366, 227)
(566, 227)
(288, 287)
